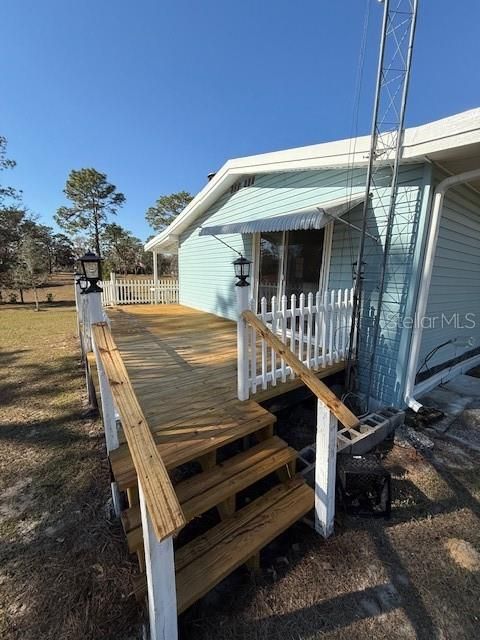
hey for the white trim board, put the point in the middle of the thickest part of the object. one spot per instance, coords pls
(445, 375)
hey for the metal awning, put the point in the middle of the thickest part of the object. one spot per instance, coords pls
(315, 217)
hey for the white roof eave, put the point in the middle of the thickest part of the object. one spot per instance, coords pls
(442, 135)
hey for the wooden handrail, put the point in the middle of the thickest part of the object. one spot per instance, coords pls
(323, 393)
(165, 511)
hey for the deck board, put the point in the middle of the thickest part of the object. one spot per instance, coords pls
(182, 366)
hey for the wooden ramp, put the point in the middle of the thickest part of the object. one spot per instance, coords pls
(181, 365)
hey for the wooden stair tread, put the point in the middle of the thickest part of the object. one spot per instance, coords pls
(178, 451)
(204, 562)
(206, 490)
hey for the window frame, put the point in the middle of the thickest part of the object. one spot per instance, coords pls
(324, 276)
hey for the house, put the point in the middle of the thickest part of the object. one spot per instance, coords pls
(187, 384)
(296, 215)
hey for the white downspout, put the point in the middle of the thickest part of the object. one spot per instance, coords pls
(426, 277)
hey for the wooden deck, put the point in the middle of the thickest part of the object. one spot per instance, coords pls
(181, 388)
(182, 366)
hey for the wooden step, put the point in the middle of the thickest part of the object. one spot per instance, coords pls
(204, 562)
(179, 451)
(206, 490)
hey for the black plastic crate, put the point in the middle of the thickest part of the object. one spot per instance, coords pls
(364, 486)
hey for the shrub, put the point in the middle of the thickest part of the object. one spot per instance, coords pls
(50, 297)
(12, 298)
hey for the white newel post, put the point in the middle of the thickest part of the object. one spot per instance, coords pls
(95, 311)
(113, 287)
(160, 570)
(242, 343)
(92, 304)
(325, 470)
(85, 324)
(155, 277)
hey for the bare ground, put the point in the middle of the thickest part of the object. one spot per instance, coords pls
(64, 568)
(59, 286)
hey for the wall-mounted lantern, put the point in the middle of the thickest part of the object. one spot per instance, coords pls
(81, 281)
(242, 271)
(92, 273)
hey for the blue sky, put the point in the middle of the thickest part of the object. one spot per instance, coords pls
(158, 93)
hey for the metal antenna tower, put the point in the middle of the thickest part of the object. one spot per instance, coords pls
(393, 74)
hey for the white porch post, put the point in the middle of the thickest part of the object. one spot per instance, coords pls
(93, 312)
(325, 469)
(155, 277)
(160, 570)
(242, 344)
(85, 306)
(113, 287)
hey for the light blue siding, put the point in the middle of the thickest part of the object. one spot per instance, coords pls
(387, 370)
(205, 269)
(453, 308)
(206, 273)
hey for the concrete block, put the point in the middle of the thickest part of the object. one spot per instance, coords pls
(372, 430)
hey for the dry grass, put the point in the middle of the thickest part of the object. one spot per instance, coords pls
(65, 571)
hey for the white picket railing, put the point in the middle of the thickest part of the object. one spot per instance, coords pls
(316, 328)
(129, 291)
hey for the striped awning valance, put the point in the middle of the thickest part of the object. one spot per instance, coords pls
(315, 217)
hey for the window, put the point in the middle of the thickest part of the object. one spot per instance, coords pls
(303, 261)
(292, 262)
(271, 249)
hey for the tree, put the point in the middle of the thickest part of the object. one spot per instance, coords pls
(81, 244)
(11, 221)
(93, 200)
(63, 252)
(31, 268)
(45, 236)
(166, 209)
(122, 250)
(6, 163)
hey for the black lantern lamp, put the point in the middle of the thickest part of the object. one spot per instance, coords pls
(242, 271)
(92, 273)
(82, 283)
(80, 280)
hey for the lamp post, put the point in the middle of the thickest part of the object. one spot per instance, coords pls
(88, 283)
(92, 272)
(91, 309)
(78, 304)
(242, 272)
